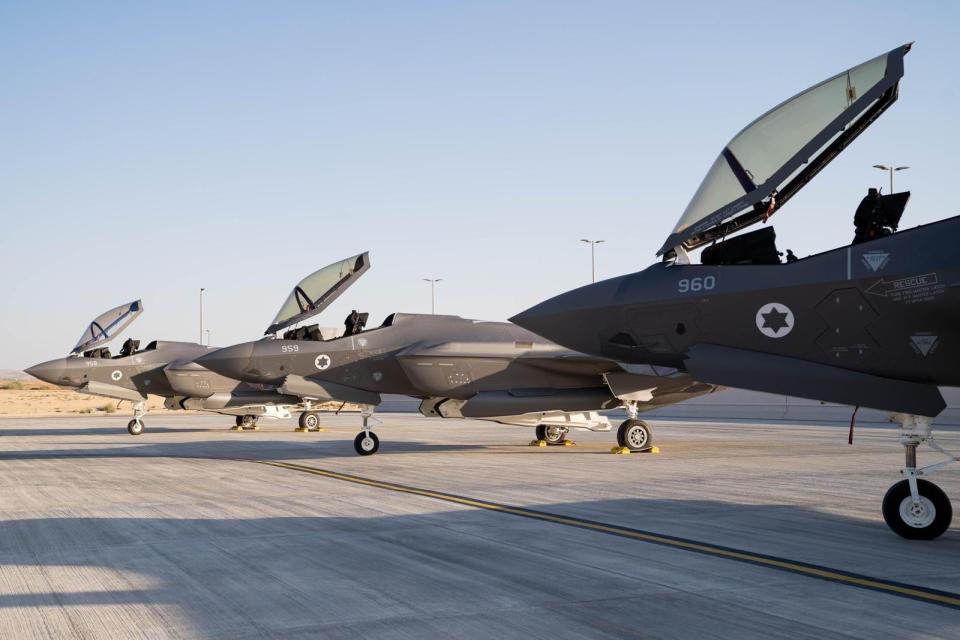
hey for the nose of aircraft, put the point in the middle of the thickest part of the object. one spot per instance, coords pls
(573, 319)
(233, 362)
(53, 371)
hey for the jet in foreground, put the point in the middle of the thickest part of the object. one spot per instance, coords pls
(874, 324)
(458, 368)
(162, 368)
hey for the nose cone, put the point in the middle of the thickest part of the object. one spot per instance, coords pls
(54, 371)
(573, 319)
(233, 362)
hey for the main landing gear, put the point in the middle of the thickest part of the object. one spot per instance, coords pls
(309, 421)
(246, 422)
(135, 426)
(551, 434)
(366, 443)
(915, 508)
(634, 434)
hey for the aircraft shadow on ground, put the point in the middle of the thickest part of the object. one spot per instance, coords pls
(258, 576)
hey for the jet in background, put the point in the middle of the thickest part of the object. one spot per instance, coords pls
(163, 368)
(875, 323)
(458, 368)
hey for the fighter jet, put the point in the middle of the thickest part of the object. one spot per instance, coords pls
(869, 324)
(163, 368)
(458, 368)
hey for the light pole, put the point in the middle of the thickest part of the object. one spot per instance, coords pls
(891, 169)
(433, 293)
(201, 314)
(593, 257)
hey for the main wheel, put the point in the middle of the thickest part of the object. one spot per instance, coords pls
(135, 427)
(366, 444)
(239, 421)
(634, 435)
(923, 520)
(551, 434)
(310, 420)
(248, 421)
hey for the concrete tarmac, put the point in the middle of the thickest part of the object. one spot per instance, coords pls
(179, 533)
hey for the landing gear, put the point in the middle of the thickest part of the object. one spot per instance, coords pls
(135, 426)
(310, 421)
(247, 421)
(551, 434)
(914, 508)
(635, 435)
(924, 519)
(366, 443)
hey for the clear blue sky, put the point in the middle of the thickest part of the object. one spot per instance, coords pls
(150, 149)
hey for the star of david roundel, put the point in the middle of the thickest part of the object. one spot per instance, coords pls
(322, 361)
(775, 320)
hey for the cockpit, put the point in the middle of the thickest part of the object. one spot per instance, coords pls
(779, 153)
(105, 328)
(130, 347)
(354, 324)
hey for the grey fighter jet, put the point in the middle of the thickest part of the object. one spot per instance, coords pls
(873, 323)
(458, 368)
(162, 368)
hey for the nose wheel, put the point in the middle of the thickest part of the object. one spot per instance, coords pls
(915, 508)
(924, 519)
(135, 426)
(366, 443)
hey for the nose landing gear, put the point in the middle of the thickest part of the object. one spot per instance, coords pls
(915, 508)
(366, 443)
(135, 426)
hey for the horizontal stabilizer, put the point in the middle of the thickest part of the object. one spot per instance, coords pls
(770, 373)
(323, 390)
(95, 388)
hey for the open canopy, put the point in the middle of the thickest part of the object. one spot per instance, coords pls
(108, 325)
(779, 152)
(317, 291)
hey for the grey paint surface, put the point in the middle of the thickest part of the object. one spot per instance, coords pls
(186, 546)
(498, 365)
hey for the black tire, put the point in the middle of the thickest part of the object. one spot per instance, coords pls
(930, 519)
(363, 446)
(309, 420)
(135, 427)
(551, 435)
(239, 421)
(248, 421)
(635, 435)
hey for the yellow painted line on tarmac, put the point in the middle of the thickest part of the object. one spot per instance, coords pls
(923, 594)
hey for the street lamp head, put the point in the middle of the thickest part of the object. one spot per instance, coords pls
(881, 166)
(900, 168)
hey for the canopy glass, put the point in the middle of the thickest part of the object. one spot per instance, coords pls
(317, 291)
(108, 325)
(776, 146)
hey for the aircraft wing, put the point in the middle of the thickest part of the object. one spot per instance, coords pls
(771, 373)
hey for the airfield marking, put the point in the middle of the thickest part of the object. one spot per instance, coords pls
(923, 594)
